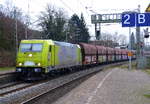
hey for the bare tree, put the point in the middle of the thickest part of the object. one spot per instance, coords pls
(53, 23)
(116, 37)
(113, 39)
(106, 36)
(9, 9)
(122, 39)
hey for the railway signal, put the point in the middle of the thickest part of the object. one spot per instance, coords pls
(146, 33)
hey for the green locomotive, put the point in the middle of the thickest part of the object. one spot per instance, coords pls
(37, 58)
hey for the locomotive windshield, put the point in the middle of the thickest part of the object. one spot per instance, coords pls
(31, 47)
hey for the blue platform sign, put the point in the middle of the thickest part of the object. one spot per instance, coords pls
(143, 19)
(128, 20)
(135, 19)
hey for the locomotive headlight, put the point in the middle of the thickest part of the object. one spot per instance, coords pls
(37, 70)
(30, 55)
(39, 64)
(20, 64)
(18, 70)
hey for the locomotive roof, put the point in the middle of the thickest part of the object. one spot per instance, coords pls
(64, 44)
(38, 41)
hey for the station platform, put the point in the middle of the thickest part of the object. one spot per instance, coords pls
(111, 86)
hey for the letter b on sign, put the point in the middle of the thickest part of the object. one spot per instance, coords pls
(141, 18)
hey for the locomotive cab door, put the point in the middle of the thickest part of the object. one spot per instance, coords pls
(53, 56)
(49, 56)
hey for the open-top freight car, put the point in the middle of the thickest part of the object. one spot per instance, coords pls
(124, 54)
(101, 54)
(89, 54)
(110, 55)
(118, 55)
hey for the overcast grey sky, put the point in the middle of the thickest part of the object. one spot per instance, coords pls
(84, 6)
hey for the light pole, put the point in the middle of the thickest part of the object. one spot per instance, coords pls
(28, 21)
(141, 61)
(16, 31)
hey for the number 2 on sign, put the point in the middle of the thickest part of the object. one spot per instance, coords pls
(127, 16)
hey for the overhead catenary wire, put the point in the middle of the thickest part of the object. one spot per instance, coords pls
(67, 6)
(84, 7)
(28, 20)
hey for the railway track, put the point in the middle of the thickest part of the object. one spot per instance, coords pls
(30, 92)
(62, 86)
(52, 90)
(8, 85)
(6, 74)
(17, 86)
(7, 78)
(13, 88)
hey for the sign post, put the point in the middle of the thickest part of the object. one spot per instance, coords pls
(134, 19)
(130, 54)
